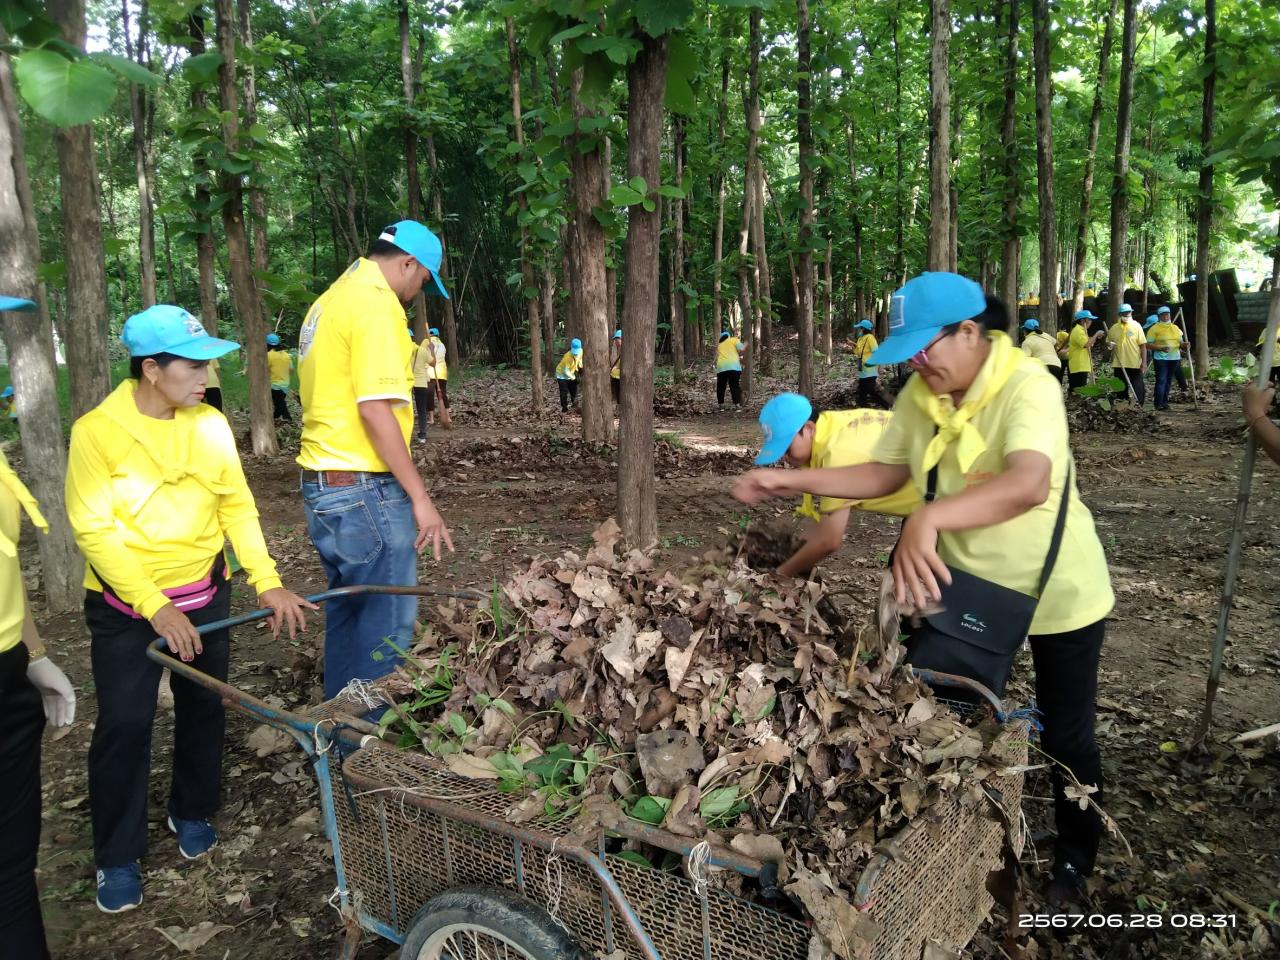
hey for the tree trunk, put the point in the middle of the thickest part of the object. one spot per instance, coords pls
(85, 324)
(257, 196)
(676, 333)
(937, 256)
(828, 307)
(529, 285)
(637, 504)
(413, 185)
(804, 136)
(900, 248)
(721, 177)
(1120, 177)
(437, 214)
(1044, 169)
(200, 211)
(1091, 153)
(244, 292)
(141, 152)
(764, 285)
(745, 304)
(679, 327)
(592, 287)
(1009, 155)
(1204, 198)
(28, 341)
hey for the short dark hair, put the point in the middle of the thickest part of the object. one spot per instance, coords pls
(385, 248)
(994, 316)
(162, 360)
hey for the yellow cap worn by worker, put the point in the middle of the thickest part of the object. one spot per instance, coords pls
(339, 369)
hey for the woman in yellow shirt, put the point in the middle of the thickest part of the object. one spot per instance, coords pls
(154, 491)
(615, 366)
(1041, 346)
(32, 689)
(213, 389)
(567, 375)
(729, 368)
(986, 426)
(280, 368)
(1079, 345)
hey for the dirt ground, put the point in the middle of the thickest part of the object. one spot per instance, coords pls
(1202, 828)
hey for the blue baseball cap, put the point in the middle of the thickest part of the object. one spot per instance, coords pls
(1163, 310)
(273, 339)
(1125, 308)
(1086, 315)
(617, 334)
(923, 306)
(780, 421)
(7, 392)
(421, 244)
(165, 328)
(16, 304)
(724, 335)
(434, 331)
(1031, 324)
(864, 325)
(1151, 321)
(575, 347)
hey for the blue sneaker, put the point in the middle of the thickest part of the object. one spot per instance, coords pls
(119, 888)
(195, 837)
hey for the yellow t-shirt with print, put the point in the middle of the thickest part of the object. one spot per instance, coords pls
(1027, 414)
(862, 351)
(568, 367)
(1043, 348)
(729, 355)
(422, 369)
(352, 348)
(14, 499)
(1166, 338)
(214, 380)
(280, 365)
(1127, 340)
(847, 438)
(1078, 358)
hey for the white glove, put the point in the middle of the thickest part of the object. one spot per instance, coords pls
(55, 690)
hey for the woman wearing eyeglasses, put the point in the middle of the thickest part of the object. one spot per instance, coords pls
(989, 423)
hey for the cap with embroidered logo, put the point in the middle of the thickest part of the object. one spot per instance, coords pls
(420, 243)
(164, 328)
(923, 306)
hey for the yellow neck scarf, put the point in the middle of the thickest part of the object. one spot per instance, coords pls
(953, 422)
(9, 481)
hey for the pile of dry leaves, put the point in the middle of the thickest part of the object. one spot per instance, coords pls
(716, 700)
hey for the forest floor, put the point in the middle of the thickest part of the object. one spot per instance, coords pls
(1203, 831)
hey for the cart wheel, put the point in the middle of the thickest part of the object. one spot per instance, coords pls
(485, 923)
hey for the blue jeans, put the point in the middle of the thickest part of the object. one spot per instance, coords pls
(1166, 370)
(364, 534)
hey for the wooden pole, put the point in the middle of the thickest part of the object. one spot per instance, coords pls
(1195, 394)
(1242, 510)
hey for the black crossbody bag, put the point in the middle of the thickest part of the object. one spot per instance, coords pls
(983, 623)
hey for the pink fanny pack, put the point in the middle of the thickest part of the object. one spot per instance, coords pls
(191, 596)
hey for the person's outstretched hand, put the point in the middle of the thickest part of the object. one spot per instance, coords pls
(757, 486)
(286, 610)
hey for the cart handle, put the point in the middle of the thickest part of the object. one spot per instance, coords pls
(246, 702)
(935, 678)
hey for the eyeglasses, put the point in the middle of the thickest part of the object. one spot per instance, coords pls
(921, 358)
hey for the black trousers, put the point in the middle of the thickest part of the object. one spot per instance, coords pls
(1066, 693)
(1080, 379)
(21, 724)
(732, 379)
(870, 394)
(615, 388)
(279, 406)
(213, 397)
(1133, 377)
(423, 402)
(1059, 371)
(568, 393)
(127, 681)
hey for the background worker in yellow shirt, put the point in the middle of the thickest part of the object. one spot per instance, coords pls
(32, 690)
(213, 389)
(1079, 346)
(1128, 345)
(438, 372)
(1041, 346)
(869, 393)
(362, 493)
(729, 368)
(280, 367)
(615, 366)
(567, 375)
(1164, 339)
(800, 436)
(982, 426)
(424, 386)
(155, 490)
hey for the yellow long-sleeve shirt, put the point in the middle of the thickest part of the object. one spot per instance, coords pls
(15, 499)
(152, 502)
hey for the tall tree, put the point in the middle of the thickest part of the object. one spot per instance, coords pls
(804, 131)
(1120, 176)
(141, 107)
(1090, 156)
(85, 323)
(938, 256)
(197, 27)
(763, 284)
(1044, 168)
(721, 180)
(257, 196)
(529, 284)
(637, 498)
(244, 291)
(675, 273)
(28, 341)
(437, 213)
(409, 85)
(1204, 197)
(1009, 160)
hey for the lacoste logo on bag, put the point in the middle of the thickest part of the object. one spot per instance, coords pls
(969, 621)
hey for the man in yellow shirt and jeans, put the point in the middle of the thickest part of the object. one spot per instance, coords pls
(363, 495)
(280, 367)
(1128, 344)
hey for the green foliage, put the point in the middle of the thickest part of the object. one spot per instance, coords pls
(64, 91)
(1228, 370)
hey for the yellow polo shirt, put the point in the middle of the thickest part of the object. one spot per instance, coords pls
(1027, 414)
(214, 380)
(152, 502)
(1127, 339)
(846, 438)
(422, 366)
(1043, 347)
(352, 348)
(729, 355)
(14, 499)
(1078, 358)
(440, 356)
(862, 351)
(280, 366)
(1165, 339)
(568, 367)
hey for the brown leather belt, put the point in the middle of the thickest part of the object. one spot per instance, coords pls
(340, 478)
